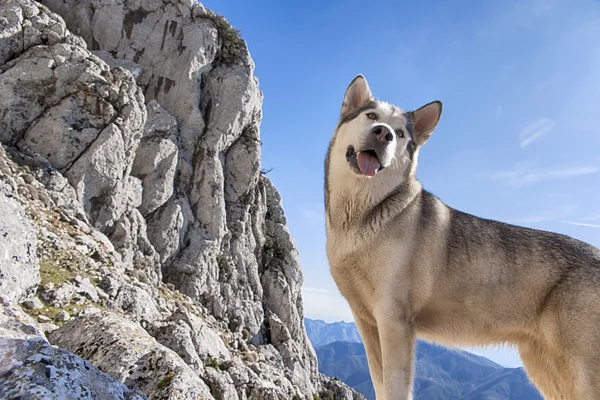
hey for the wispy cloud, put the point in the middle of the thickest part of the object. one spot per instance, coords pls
(542, 7)
(586, 224)
(522, 174)
(318, 291)
(550, 215)
(326, 305)
(535, 130)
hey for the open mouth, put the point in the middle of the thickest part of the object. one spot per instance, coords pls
(364, 162)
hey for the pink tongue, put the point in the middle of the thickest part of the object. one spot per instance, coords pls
(367, 163)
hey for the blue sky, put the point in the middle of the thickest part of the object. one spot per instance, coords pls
(519, 138)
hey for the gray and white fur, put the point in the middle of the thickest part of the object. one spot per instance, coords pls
(410, 266)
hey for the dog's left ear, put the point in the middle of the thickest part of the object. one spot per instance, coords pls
(425, 119)
(357, 95)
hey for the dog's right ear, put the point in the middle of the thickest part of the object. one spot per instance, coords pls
(425, 119)
(357, 95)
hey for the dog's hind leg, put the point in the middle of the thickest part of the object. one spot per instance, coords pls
(582, 349)
(543, 368)
(564, 360)
(370, 336)
(586, 382)
(579, 336)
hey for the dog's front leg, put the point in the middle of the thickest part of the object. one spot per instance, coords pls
(370, 336)
(397, 349)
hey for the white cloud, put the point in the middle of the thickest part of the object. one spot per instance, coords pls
(542, 7)
(317, 290)
(522, 175)
(326, 305)
(588, 225)
(532, 219)
(535, 130)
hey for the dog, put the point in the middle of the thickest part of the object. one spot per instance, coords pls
(410, 266)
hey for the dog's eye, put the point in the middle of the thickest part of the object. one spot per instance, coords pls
(372, 116)
(400, 133)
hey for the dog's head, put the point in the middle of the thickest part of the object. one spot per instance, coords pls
(375, 139)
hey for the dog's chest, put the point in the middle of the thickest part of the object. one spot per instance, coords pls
(364, 270)
(359, 284)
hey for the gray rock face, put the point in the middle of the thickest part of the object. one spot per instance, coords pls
(85, 118)
(156, 158)
(138, 167)
(24, 25)
(16, 323)
(212, 226)
(63, 295)
(102, 338)
(33, 304)
(135, 69)
(34, 367)
(30, 365)
(137, 302)
(282, 281)
(19, 270)
(197, 68)
(192, 338)
(337, 390)
(221, 385)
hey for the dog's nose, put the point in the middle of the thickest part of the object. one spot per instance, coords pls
(383, 133)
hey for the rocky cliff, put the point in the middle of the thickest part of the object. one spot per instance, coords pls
(137, 230)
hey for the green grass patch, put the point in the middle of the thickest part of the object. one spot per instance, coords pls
(48, 311)
(324, 395)
(231, 39)
(52, 272)
(166, 381)
(212, 363)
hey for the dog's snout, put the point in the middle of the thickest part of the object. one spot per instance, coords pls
(383, 133)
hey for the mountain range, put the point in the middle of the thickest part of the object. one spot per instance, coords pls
(440, 373)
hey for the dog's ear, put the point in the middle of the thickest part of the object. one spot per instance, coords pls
(357, 95)
(425, 119)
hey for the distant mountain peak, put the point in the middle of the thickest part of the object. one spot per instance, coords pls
(441, 373)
